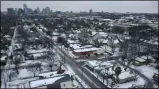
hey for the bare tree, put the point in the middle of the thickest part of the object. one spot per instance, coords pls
(50, 59)
(34, 67)
(16, 62)
(11, 75)
(112, 39)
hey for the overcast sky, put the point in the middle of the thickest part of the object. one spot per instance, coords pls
(76, 6)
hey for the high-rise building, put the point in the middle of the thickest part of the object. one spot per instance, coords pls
(10, 11)
(16, 11)
(90, 11)
(25, 9)
(47, 10)
(29, 11)
(20, 11)
(38, 10)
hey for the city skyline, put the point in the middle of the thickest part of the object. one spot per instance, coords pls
(96, 6)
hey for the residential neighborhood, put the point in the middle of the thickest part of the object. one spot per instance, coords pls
(57, 49)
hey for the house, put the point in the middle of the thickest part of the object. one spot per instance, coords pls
(139, 61)
(52, 74)
(96, 65)
(61, 81)
(126, 76)
(73, 41)
(84, 51)
(150, 58)
(3, 60)
(97, 35)
(17, 46)
(8, 37)
(116, 42)
(74, 45)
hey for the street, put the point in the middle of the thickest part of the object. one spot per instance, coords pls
(92, 81)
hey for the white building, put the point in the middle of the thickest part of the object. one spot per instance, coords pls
(61, 81)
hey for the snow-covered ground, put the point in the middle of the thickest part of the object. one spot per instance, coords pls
(147, 70)
(139, 81)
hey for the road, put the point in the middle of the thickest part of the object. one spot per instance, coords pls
(92, 81)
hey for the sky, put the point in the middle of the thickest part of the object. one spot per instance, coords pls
(77, 6)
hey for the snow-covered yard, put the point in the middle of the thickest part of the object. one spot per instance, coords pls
(147, 70)
(139, 81)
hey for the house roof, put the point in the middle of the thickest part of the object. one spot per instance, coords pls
(140, 59)
(48, 81)
(97, 63)
(3, 58)
(86, 49)
(50, 74)
(37, 51)
(125, 74)
(145, 57)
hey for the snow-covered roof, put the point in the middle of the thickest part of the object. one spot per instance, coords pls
(75, 46)
(92, 63)
(97, 63)
(86, 46)
(86, 49)
(107, 64)
(127, 37)
(3, 58)
(116, 41)
(38, 83)
(107, 19)
(145, 57)
(48, 74)
(37, 51)
(7, 36)
(72, 41)
(110, 24)
(52, 74)
(140, 59)
(37, 54)
(105, 41)
(125, 74)
(109, 72)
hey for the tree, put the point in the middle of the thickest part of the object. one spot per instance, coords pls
(111, 38)
(98, 42)
(50, 59)
(17, 62)
(67, 45)
(60, 40)
(11, 75)
(118, 30)
(34, 67)
(117, 72)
